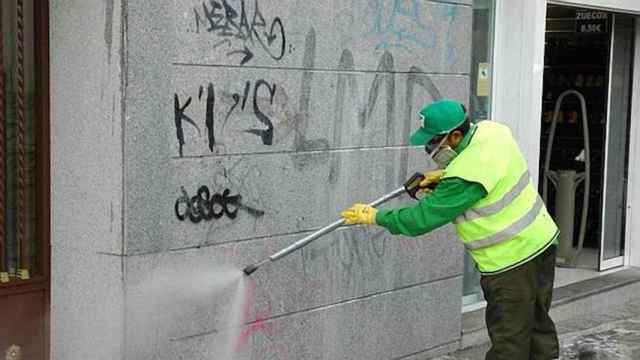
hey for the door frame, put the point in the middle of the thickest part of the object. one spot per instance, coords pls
(632, 250)
(619, 261)
(517, 88)
(43, 30)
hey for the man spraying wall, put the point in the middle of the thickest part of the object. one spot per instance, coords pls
(484, 187)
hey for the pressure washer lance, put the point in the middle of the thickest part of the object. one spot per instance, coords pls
(411, 186)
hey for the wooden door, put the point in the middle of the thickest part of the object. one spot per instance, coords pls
(24, 179)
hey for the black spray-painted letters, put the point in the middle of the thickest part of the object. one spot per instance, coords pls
(204, 206)
(239, 102)
(230, 23)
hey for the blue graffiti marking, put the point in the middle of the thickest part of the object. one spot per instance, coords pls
(403, 27)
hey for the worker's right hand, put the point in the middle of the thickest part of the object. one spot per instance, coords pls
(431, 178)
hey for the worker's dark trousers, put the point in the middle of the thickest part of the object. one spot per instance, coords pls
(518, 310)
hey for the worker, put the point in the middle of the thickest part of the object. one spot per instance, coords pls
(484, 187)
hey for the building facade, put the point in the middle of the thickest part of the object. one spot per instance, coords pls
(167, 144)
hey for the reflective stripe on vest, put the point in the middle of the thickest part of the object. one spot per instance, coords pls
(473, 214)
(511, 231)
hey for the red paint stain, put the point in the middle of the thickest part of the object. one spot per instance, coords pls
(315, 285)
(261, 325)
(258, 321)
(231, 251)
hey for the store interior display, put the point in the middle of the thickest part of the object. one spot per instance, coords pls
(577, 61)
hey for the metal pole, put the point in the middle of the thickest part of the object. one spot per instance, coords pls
(329, 228)
(565, 211)
(325, 230)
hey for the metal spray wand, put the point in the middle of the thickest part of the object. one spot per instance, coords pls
(411, 186)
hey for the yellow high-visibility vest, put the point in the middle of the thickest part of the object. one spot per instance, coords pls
(511, 224)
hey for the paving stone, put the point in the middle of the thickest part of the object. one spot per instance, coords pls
(613, 334)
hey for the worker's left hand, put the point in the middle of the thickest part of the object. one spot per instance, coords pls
(360, 214)
(431, 178)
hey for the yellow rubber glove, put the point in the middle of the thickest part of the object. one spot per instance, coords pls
(431, 177)
(360, 214)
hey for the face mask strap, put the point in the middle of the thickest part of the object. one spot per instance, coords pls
(435, 150)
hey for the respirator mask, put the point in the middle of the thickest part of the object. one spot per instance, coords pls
(442, 155)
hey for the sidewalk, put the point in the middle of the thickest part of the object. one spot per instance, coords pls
(613, 334)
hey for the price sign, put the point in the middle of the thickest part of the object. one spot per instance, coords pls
(588, 21)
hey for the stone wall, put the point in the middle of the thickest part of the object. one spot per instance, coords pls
(287, 112)
(87, 283)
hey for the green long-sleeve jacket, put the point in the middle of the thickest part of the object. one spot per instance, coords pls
(450, 198)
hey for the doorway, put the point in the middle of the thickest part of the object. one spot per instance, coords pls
(584, 144)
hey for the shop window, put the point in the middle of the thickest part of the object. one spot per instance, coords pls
(482, 59)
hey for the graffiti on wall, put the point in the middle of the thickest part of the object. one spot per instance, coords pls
(257, 97)
(264, 130)
(405, 25)
(400, 24)
(208, 107)
(260, 97)
(347, 251)
(241, 29)
(347, 88)
(206, 206)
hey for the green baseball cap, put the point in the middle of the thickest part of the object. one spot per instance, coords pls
(439, 117)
